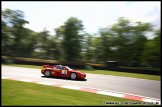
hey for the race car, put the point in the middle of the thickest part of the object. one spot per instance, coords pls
(62, 71)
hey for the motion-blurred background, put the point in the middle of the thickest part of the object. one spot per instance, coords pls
(124, 42)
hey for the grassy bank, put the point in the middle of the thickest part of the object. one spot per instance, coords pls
(17, 93)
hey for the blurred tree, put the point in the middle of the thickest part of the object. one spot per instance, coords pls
(151, 53)
(43, 42)
(46, 46)
(28, 42)
(72, 38)
(139, 39)
(107, 42)
(89, 48)
(13, 18)
(122, 33)
(54, 50)
(6, 39)
(124, 40)
(97, 50)
(13, 31)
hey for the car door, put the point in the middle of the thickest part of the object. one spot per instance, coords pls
(64, 72)
(57, 70)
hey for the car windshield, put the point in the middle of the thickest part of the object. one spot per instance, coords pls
(68, 68)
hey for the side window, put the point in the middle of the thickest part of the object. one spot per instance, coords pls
(58, 67)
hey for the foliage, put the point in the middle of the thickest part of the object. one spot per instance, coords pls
(72, 38)
(151, 53)
(124, 41)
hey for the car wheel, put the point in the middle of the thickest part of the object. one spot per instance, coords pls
(47, 73)
(73, 76)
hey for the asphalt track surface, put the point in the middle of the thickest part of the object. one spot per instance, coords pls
(142, 87)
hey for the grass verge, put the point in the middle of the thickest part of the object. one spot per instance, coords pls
(105, 72)
(17, 93)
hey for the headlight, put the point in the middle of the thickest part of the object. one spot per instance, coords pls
(82, 73)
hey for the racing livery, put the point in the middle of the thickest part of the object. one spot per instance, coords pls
(62, 71)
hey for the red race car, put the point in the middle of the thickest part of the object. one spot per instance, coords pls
(62, 71)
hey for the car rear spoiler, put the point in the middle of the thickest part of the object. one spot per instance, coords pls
(46, 66)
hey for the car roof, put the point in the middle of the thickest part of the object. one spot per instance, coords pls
(58, 65)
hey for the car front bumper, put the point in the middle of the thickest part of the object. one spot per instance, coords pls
(83, 75)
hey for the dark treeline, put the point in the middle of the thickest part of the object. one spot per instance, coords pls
(124, 41)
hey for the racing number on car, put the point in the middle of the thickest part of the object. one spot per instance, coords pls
(64, 72)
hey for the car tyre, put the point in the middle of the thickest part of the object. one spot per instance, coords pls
(73, 76)
(47, 73)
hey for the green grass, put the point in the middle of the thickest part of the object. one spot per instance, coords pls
(17, 93)
(105, 72)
